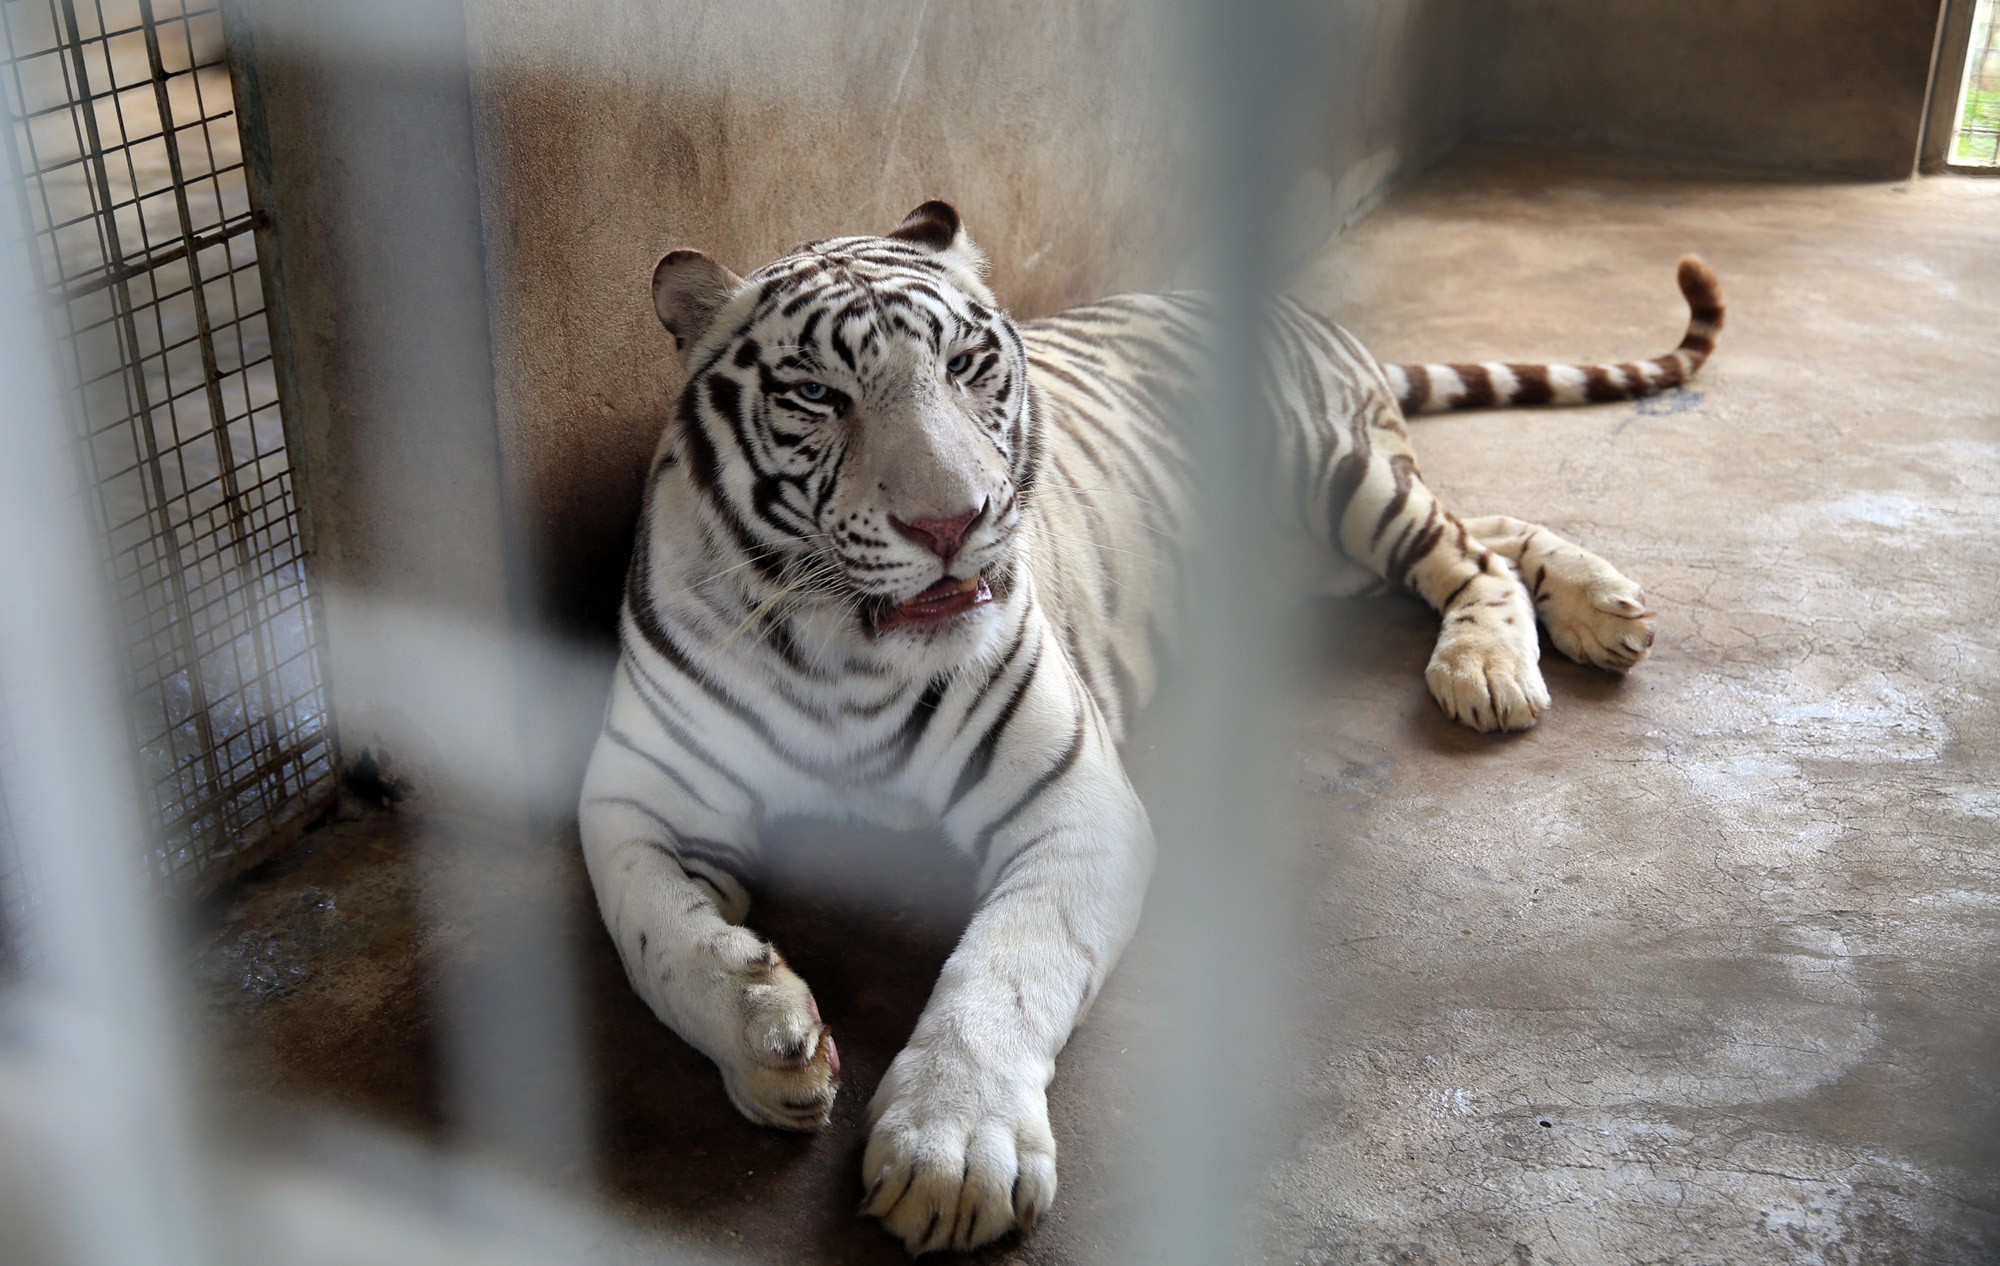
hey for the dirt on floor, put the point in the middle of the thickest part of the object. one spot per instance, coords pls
(1701, 969)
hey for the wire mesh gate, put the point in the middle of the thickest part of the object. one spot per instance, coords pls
(123, 144)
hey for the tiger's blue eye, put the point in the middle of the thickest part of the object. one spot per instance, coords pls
(958, 364)
(811, 391)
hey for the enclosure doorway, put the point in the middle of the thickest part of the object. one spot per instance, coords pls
(1962, 125)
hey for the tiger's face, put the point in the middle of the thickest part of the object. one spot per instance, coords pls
(857, 414)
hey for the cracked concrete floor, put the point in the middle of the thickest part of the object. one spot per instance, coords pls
(1703, 969)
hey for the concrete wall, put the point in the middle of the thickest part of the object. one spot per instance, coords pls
(468, 196)
(605, 143)
(1396, 94)
(1062, 132)
(1831, 85)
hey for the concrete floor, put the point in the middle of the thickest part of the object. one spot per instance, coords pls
(1702, 969)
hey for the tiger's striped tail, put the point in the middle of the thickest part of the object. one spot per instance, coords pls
(1433, 388)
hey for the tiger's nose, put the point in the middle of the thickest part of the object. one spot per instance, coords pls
(940, 536)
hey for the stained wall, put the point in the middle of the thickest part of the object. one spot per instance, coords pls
(1823, 85)
(1065, 134)
(466, 199)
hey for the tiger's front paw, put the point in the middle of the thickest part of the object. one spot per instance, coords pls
(785, 1070)
(958, 1155)
(1485, 671)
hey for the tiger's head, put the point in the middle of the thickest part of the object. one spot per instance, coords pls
(857, 421)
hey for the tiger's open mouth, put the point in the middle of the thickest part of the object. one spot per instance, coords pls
(943, 600)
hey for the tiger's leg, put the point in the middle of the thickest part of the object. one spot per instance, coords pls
(1485, 671)
(959, 1146)
(1593, 614)
(667, 850)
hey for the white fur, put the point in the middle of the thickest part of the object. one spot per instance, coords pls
(744, 695)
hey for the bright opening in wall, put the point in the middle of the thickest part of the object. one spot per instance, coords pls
(1975, 137)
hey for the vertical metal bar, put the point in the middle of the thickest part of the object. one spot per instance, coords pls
(387, 89)
(19, 173)
(103, 1035)
(1219, 888)
(85, 453)
(165, 533)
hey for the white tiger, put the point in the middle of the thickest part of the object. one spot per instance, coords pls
(892, 565)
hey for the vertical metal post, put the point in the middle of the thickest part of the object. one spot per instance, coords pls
(1218, 888)
(102, 1031)
(416, 544)
(164, 533)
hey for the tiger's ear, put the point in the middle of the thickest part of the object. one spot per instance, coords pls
(935, 226)
(689, 288)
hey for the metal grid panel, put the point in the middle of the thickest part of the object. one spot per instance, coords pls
(124, 146)
(1975, 142)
